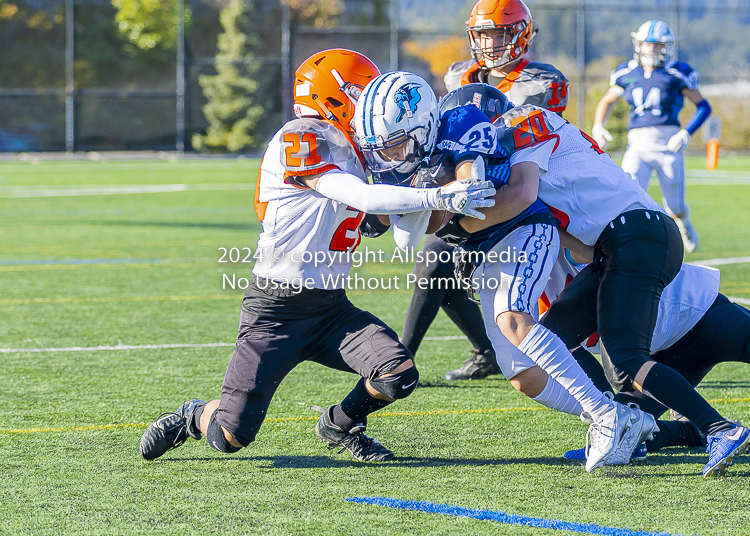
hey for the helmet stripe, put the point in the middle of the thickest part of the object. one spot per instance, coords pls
(368, 119)
(651, 29)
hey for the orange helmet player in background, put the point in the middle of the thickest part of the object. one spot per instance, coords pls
(328, 84)
(500, 31)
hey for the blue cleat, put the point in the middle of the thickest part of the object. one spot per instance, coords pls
(639, 454)
(723, 447)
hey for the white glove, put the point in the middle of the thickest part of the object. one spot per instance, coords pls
(601, 136)
(464, 197)
(679, 141)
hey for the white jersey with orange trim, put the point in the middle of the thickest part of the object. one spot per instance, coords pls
(306, 236)
(582, 185)
(683, 301)
(530, 82)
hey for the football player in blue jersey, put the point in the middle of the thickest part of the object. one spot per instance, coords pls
(513, 254)
(656, 86)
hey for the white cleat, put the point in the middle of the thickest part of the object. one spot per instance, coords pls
(688, 233)
(605, 434)
(642, 428)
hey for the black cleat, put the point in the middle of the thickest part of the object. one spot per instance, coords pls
(363, 447)
(169, 431)
(478, 366)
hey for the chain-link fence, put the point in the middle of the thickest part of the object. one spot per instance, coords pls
(70, 81)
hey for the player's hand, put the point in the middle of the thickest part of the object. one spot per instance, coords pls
(679, 141)
(601, 136)
(466, 196)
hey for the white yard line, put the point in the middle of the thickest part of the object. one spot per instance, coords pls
(78, 191)
(722, 262)
(742, 301)
(150, 347)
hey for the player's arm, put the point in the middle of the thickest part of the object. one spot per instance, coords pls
(462, 197)
(702, 110)
(514, 197)
(579, 252)
(603, 110)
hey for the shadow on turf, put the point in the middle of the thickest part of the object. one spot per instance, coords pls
(304, 462)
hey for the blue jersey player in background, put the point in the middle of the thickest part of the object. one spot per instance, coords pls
(656, 86)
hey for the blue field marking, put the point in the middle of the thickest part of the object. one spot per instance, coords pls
(78, 261)
(501, 517)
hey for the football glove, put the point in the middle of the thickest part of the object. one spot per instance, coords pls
(601, 136)
(679, 141)
(465, 196)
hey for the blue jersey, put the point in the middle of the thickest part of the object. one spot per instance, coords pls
(657, 99)
(466, 133)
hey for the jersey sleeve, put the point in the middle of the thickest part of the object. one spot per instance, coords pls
(539, 154)
(550, 88)
(525, 126)
(620, 71)
(308, 147)
(466, 132)
(686, 74)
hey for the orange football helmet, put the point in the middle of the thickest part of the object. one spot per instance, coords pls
(500, 31)
(328, 84)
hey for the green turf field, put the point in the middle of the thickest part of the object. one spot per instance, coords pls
(82, 269)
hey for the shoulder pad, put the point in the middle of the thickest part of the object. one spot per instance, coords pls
(455, 73)
(622, 69)
(309, 146)
(684, 72)
(523, 126)
(543, 85)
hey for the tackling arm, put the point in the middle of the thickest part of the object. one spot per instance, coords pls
(511, 199)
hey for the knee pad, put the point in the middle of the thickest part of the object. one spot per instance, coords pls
(399, 385)
(215, 437)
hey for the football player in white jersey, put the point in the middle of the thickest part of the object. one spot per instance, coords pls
(637, 252)
(514, 256)
(696, 329)
(500, 34)
(655, 86)
(312, 195)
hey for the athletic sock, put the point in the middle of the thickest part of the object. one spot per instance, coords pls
(675, 434)
(671, 389)
(548, 351)
(554, 396)
(195, 423)
(357, 405)
(592, 368)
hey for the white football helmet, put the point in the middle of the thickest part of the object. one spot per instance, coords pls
(396, 123)
(653, 43)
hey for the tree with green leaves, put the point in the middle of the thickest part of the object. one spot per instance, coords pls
(149, 24)
(231, 110)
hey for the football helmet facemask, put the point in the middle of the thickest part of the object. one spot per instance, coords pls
(500, 31)
(328, 84)
(653, 44)
(396, 123)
